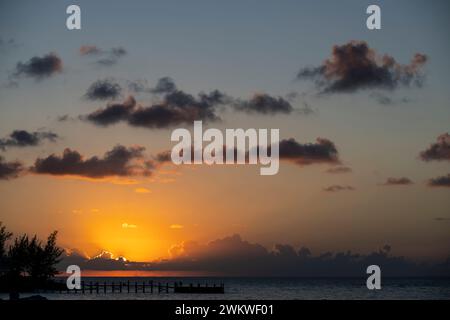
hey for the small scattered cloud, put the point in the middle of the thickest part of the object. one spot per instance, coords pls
(104, 57)
(386, 100)
(323, 151)
(128, 226)
(10, 170)
(442, 181)
(264, 104)
(23, 138)
(355, 66)
(438, 151)
(339, 169)
(336, 188)
(88, 50)
(39, 67)
(176, 226)
(104, 89)
(6, 44)
(142, 190)
(403, 181)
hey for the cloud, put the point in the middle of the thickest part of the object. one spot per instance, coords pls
(142, 190)
(442, 181)
(23, 138)
(441, 219)
(265, 104)
(439, 151)
(386, 100)
(104, 57)
(398, 181)
(8, 43)
(39, 67)
(234, 256)
(113, 113)
(103, 90)
(10, 170)
(176, 226)
(87, 50)
(176, 108)
(355, 66)
(164, 85)
(339, 169)
(120, 161)
(336, 188)
(128, 226)
(323, 151)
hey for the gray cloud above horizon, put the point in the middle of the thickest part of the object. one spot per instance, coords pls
(402, 181)
(10, 170)
(264, 104)
(441, 181)
(104, 57)
(355, 66)
(103, 89)
(23, 138)
(119, 161)
(337, 188)
(39, 68)
(438, 151)
(322, 151)
(175, 106)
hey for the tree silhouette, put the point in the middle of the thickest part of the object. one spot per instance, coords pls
(29, 262)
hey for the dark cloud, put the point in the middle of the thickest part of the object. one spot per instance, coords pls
(103, 90)
(176, 108)
(120, 161)
(336, 188)
(443, 181)
(39, 67)
(113, 113)
(397, 181)
(104, 57)
(165, 85)
(164, 156)
(23, 138)
(233, 256)
(439, 151)
(265, 104)
(355, 66)
(323, 151)
(10, 170)
(339, 169)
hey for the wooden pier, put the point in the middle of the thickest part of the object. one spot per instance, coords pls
(148, 287)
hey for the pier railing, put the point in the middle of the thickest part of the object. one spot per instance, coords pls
(150, 287)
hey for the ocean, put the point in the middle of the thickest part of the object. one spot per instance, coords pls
(274, 288)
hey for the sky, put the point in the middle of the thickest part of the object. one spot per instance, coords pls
(368, 165)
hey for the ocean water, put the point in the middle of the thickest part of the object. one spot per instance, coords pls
(275, 288)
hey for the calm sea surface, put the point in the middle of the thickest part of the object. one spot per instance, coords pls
(277, 288)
